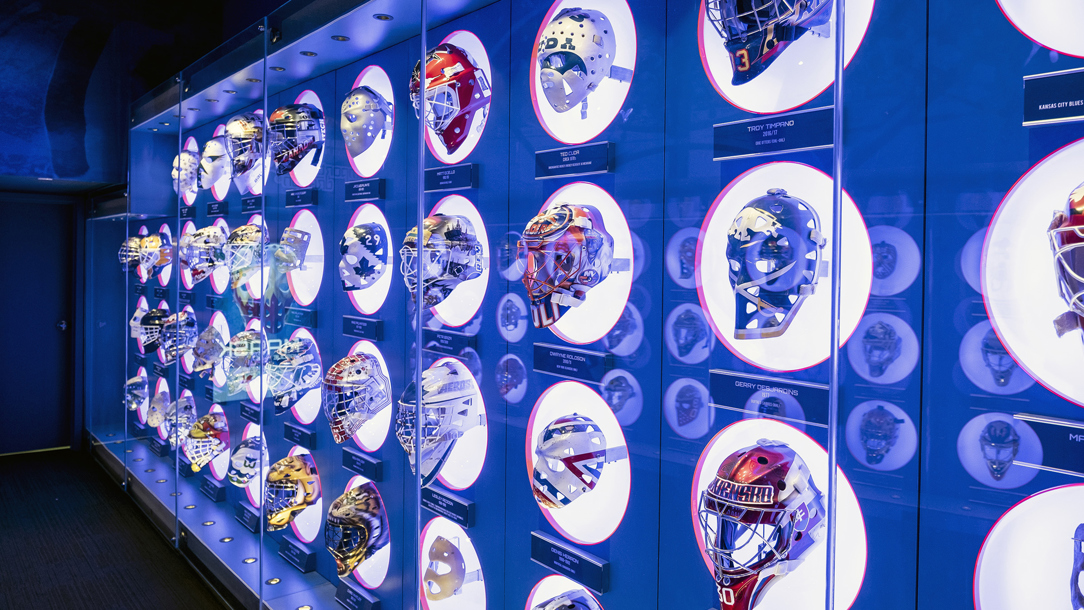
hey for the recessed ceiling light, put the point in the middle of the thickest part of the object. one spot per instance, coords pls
(163, 123)
(340, 38)
(253, 80)
(193, 109)
(43, 179)
(382, 17)
(229, 91)
(273, 581)
(208, 522)
(308, 53)
(154, 129)
(248, 560)
(212, 101)
(278, 69)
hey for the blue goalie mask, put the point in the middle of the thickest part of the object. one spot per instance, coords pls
(879, 431)
(688, 331)
(618, 392)
(1078, 567)
(511, 315)
(364, 253)
(1000, 443)
(774, 251)
(884, 259)
(756, 32)
(997, 359)
(881, 346)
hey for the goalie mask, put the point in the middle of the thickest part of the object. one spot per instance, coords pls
(774, 253)
(135, 327)
(569, 252)
(201, 252)
(577, 599)
(364, 252)
(879, 432)
(511, 374)
(178, 335)
(244, 252)
(756, 32)
(687, 258)
(511, 314)
(576, 52)
(185, 173)
(214, 164)
(172, 417)
(155, 252)
(356, 527)
(447, 571)
(244, 141)
(1066, 234)
(244, 359)
(687, 404)
(135, 392)
(247, 460)
(688, 332)
(625, 327)
(997, 359)
(207, 439)
(760, 517)
(617, 392)
(129, 254)
(1000, 443)
(292, 371)
(881, 347)
(293, 246)
(208, 351)
(355, 389)
(772, 406)
(366, 116)
(150, 329)
(456, 89)
(450, 408)
(293, 485)
(884, 260)
(450, 255)
(569, 460)
(158, 410)
(296, 129)
(1076, 596)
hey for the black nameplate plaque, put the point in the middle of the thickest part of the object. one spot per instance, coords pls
(160, 369)
(140, 290)
(186, 298)
(571, 363)
(353, 597)
(583, 567)
(446, 504)
(781, 133)
(188, 212)
(363, 464)
(365, 190)
(161, 293)
(250, 412)
(735, 391)
(302, 198)
(363, 328)
(301, 317)
(184, 466)
(138, 427)
(186, 382)
(247, 516)
(302, 557)
(299, 435)
(209, 392)
(218, 208)
(583, 160)
(1057, 97)
(158, 446)
(452, 178)
(450, 343)
(250, 205)
(214, 302)
(140, 359)
(1062, 441)
(212, 488)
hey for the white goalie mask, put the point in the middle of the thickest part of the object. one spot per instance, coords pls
(202, 252)
(576, 599)
(570, 457)
(214, 164)
(135, 392)
(576, 52)
(244, 138)
(244, 359)
(244, 252)
(185, 173)
(292, 371)
(364, 251)
(156, 413)
(293, 247)
(135, 325)
(247, 461)
(179, 334)
(355, 389)
(208, 438)
(180, 416)
(208, 350)
(450, 406)
(366, 116)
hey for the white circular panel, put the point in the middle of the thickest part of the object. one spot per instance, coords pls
(466, 459)
(221, 188)
(371, 299)
(1051, 23)
(605, 102)
(372, 434)
(141, 303)
(595, 515)
(971, 260)
(186, 274)
(806, 342)
(899, 367)
(308, 524)
(188, 358)
(976, 364)
(794, 589)
(969, 449)
(141, 410)
(162, 385)
(305, 282)
(369, 162)
(304, 173)
(801, 72)
(906, 443)
(474, 47)
(192, 146)
(512, 394)
(218, 320)
(1019, 283)
(472, 595)
(464, 301)
(254, 489)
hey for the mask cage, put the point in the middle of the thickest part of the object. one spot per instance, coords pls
(740, 19)
(742, 540)
(1067, 241)
(349, 405)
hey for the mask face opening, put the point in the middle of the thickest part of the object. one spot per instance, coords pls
(742, 541)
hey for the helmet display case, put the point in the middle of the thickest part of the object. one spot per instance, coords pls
(604, 304)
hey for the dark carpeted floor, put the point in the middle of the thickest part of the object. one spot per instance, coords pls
(70, 538)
